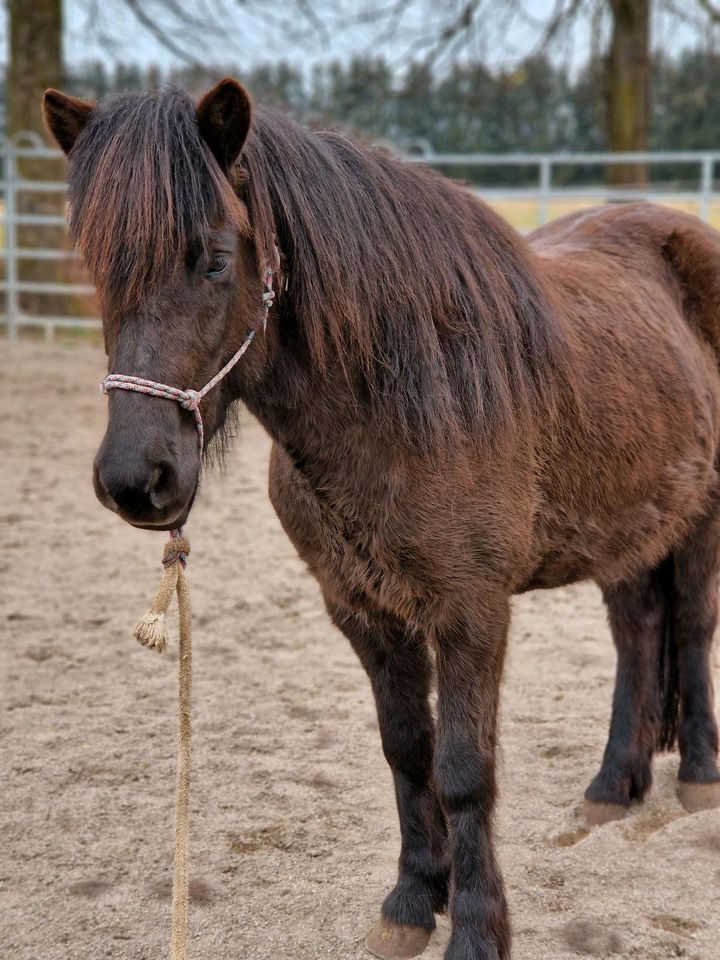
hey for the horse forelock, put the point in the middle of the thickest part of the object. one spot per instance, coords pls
(143, 188)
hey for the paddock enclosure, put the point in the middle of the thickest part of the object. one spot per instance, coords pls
(294, 836)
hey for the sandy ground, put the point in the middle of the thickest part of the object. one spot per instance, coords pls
(294, 836)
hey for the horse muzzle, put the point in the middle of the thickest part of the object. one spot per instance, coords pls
(150, 499)
(147, 470)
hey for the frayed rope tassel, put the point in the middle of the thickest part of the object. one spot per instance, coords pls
(151, 632)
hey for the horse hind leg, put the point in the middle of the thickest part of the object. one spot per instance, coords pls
(399, 668)
(638, 612)
(695, 614)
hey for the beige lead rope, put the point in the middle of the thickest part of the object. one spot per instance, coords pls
(151, 632)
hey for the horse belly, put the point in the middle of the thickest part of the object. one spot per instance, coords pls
(620, 545)
(612, 530)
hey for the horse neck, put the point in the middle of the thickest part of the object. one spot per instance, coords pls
(316, 416)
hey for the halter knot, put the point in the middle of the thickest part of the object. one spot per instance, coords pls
(191, 399)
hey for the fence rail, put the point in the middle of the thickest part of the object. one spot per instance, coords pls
(15, 286)
(13, 255)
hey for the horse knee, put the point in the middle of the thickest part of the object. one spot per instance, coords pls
(465, 778)
(408, 744)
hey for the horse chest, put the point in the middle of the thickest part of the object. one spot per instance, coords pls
(353, 550)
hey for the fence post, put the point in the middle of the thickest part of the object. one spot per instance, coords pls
(706, 187)
(12, 307)
(544, 191)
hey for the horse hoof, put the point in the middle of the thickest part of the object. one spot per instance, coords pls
(596, 814)
(394, 941)
(699, 796)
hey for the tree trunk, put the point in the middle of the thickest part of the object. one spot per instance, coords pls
(35, 61)
(628, 87)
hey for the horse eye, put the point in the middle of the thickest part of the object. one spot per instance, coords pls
(216, 266)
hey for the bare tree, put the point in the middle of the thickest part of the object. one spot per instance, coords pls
(435, 30)
(627, 79)
(620, 33)
(35, 60)
(35, 64)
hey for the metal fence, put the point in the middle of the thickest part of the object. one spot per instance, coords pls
(543, 191)
(16, 252)
(19, 284)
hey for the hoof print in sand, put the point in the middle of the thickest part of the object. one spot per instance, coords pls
(591, 938)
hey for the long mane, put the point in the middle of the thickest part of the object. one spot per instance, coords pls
(428, 302)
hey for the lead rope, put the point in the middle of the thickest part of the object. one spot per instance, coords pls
(151, 630)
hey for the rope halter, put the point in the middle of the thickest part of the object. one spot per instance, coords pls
(190, 399)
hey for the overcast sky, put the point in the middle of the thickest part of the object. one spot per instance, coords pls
(227, 34)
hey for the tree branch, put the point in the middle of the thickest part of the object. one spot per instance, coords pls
(160, 35)
(561, 17)
(708, 7)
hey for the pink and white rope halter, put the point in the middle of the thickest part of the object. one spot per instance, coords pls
(190, 399)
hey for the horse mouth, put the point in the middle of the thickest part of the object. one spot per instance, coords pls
(179, 520)
(175, 525)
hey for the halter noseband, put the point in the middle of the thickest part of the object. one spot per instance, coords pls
(190, 399)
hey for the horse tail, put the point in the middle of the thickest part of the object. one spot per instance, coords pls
(692, 252)
(668, 679)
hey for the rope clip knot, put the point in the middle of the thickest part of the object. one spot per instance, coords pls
(177, 550)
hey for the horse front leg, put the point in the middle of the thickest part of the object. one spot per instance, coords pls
(398, 665)
(470, 648)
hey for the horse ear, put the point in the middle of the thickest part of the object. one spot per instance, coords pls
(224, 115)
(66, 117)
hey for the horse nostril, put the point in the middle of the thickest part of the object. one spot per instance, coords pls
(162, 485)
(132, 498)
(144, 493)
(155, 478)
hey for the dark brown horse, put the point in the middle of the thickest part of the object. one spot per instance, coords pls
(458, 415)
